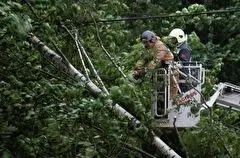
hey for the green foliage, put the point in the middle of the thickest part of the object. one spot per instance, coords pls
(52, 119)
(133, 99)
(43, 113)
(19, 24)
(219, 137)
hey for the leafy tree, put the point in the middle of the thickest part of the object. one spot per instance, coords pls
(45, 113)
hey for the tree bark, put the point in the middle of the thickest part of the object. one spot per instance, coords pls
(69, 69)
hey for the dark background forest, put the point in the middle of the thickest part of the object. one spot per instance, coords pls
(46, 113)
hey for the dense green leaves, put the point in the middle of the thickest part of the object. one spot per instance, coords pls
(220, 137)
(44, 113)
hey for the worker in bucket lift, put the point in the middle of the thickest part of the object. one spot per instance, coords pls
(182, 52)
(161, 57)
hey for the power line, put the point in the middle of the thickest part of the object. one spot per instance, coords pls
(164, 16)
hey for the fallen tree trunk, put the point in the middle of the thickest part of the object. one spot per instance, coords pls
(65, 66)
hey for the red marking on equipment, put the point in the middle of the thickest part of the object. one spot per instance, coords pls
(186, 97)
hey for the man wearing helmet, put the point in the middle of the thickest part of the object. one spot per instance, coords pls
(179, 39)
(182, 52)
(161, 56)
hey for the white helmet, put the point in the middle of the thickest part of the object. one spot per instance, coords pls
(178, 34)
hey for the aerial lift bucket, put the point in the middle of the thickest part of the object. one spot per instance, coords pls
(179, 109)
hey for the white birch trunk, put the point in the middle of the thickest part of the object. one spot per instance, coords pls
(69, 69)
(62, 65)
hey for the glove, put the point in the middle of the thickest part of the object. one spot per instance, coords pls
(139, 74)
(133, 78)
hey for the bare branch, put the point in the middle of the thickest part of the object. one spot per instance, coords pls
(88, 60)
(179, 138)
(129, 146)
(81, 58)
(93, 69)
(106, 52)
(59, 70)
(58, 61)
(31, 8)
(55, 77)
(65, 60)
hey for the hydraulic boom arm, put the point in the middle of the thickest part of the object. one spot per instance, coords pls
(226, 95)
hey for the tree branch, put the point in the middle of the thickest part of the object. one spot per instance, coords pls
(55, 77)
(179, 138)
(56, 59)
(31, 8)
(93, 69)
(104, 50)
(129, 146)
(88, 60)
(60, 70)
(81, 58)
(65, 60)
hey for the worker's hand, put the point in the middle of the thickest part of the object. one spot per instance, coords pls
(140, 73)
(134, 79)
(136, 76)
(177, 64)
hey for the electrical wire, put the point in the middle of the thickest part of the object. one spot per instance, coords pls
(164, 16)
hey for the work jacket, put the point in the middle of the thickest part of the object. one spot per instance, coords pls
(158, 55)
(183, 52)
